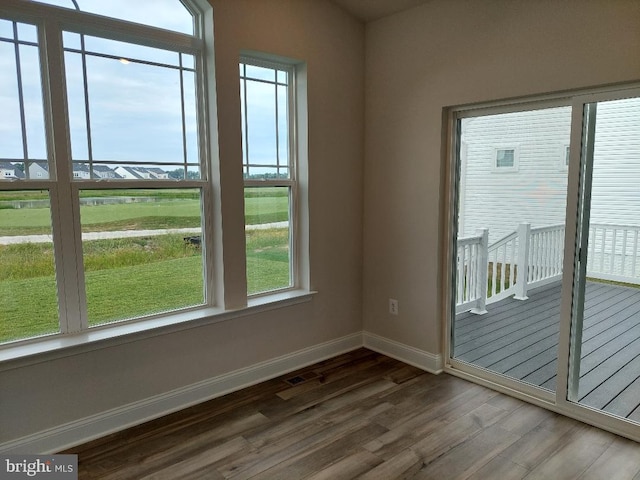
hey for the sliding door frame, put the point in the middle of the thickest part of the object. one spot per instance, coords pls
(583, 104)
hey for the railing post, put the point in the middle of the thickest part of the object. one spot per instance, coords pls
(482, 272)
(524, 234)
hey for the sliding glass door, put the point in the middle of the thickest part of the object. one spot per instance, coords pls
(544, 293)
(511, 219)
(605, 363)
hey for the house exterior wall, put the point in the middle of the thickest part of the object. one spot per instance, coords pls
(615, 196)
(500, 198)
(536, 191)
(36, 171)
(126, 173)
(7, 172)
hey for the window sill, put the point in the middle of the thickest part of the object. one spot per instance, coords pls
(52, 347)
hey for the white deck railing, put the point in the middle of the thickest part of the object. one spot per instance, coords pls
(489, 273)
(471, 273)
(613, 252)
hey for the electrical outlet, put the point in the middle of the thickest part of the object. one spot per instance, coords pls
(393, 306)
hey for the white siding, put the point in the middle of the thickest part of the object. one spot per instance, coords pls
(616, 166)
(536, 192)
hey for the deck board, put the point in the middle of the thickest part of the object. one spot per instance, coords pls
(520, 339)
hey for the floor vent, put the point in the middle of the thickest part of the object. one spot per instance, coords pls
(298, 379)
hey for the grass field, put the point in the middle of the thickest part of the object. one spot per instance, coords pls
(130, 277)
(270, 205)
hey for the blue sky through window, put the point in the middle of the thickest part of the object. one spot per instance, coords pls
(167, 14)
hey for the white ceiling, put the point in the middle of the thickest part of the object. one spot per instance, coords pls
(369, 10)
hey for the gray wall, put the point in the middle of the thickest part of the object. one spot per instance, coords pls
(452, 52)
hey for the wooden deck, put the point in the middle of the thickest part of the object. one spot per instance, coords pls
(520, 339)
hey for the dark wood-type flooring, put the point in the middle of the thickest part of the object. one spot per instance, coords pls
(520, 339)
(362, 415)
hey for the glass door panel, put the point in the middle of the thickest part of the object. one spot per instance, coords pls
(606, 329)
(512, 188)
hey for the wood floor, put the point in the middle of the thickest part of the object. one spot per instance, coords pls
(362, 415)
(520, 339)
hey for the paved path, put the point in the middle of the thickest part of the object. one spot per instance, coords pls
(9, 240)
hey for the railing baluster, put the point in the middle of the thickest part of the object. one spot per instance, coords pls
(635, 252)
(503, 265)
(494, 271)
(545, 253)
(591, 249)
(536, 262)
(530, 260)
(554, 252)
(512, 263)
(461, 275)
(624, 253)
(559, 246)
(471, 282)
(613, 251)
(603, 239)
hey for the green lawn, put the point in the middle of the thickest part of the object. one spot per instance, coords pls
(124, 278)
(130, 277)
(29, 308)
(267, 259)
(270, 205)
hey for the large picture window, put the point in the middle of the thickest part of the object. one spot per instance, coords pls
(110, 198)
(103, 179)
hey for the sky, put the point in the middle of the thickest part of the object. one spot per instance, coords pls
(135, 108)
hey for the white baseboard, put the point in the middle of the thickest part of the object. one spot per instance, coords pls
(90, 428)
(405, 353)
(80, 431)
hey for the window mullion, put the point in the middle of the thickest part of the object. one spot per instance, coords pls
(207, 131)
(292, 157)
(87, 115)
(23, 123)
(64, 203)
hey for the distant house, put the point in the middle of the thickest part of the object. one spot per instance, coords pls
(80, 170)
(39, 170)
(158, 173)
(103, 171)
(139, 173)
(128, 173)
(8, 171)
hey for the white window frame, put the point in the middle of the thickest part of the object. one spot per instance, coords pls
(291, 182)
(516, 162)
(63, 183)
(222, 304)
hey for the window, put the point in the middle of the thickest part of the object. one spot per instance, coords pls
(505, 159)
(117, 148)
(267, 101)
